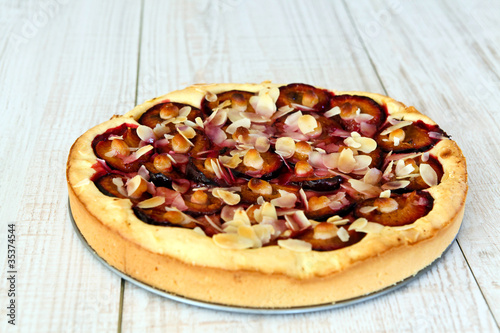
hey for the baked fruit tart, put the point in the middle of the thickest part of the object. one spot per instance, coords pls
(268, 195)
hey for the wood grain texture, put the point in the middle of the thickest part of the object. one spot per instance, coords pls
(241, 43)
(64, 77)
(457, 85)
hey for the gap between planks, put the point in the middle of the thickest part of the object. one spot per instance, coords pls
(139, 45)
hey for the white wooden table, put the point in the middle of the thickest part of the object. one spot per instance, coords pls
(67, 65)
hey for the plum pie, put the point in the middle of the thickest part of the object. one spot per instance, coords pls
(268, 195)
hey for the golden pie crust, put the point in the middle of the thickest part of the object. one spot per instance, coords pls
(183, 262)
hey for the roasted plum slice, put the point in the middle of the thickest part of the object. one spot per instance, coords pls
(321, 206)
(323, 237)
(366, 121)
(106, 185)
(202, 202)
(417, 136)
(256, 187)
(316, 183)
(117, 155)
(208, 171)
(158, 216)
(413, 174)
(164, 111)
(398, 210)
(304, 97)
(270, 164)
(240, 100)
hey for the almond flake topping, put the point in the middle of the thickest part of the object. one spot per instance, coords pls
(386, 205)
(151, 202)
(403, 169)
(307, 124)
(285, 147)
(337, 220)
(333, 112)
(145, 133)
(346, 162)
(343, 234)
(385, 194)
(296, 245)
(265, 103)
(367, 209)
(143, 150)
(262, 144)
(428, 174)
(396, 185)
(356, 141)
(358, 224)
(210, 96)
(397, 125)
(253, 159)
(232, 241)
(286, 199)
(244, 122)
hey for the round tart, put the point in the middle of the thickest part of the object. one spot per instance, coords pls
(268, 195)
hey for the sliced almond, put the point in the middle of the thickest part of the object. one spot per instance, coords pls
(246, 123)
(145, 133)
(367, 209)
(397, 125)
(262, 144)
(428, 174)
(358, 224)
(325, 230)
(346, 162)
(151, 202)
(286, 200)
(385, 194)
(210, 96)
(386, 205)
(228, 197)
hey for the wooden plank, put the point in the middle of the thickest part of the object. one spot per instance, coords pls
(250, 42)
(456, 84)
(64, 77)
(420, 306)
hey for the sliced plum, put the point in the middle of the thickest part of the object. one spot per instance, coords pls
(412, 138)
(161, 112)
(304, 97)
(162, 178)
(398, 210)
(330, 244)
(366, 121)
(240, 100)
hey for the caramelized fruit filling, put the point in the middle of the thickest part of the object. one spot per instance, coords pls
(296, 166)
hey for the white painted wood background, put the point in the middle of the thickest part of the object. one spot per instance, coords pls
(67, 65)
